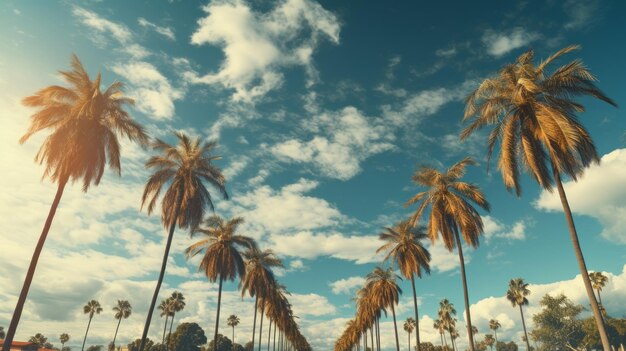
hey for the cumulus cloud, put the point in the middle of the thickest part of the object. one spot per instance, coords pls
(346, 285)
(600, 193)
(496, 229)
(348, 137)
(164, 31)
(258, 45)
(500, 43)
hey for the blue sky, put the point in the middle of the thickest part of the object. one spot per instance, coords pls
(323, 111)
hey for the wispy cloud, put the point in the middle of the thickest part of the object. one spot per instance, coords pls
(500, 43)
(164, 31)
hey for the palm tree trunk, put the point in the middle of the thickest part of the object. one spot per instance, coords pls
(378, 333)
(217, 318)
(495, 332)
(86, 331)
(256, 302)
(521, 312)
(166, 253)
(441, 337)
(466, 295)
(581, 261)
(599, 297)
(274, 347)
(116, 329)
(372, 336)
(417, 318)
(409, 341)
(233, 337)
(395, 327)
(451, 340)
(169, 333)
(269, 335)
(17, 314)
(444, 339)
(261, 323)
(164, 329)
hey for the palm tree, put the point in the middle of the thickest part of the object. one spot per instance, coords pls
(221, 245)
(404, 245)
(409, 326)
(489, 341)
(494, 325)
(454, 334)
(38, 339)
(92, 307)
(63, 338)
(386, 292)
(518, 290)
(84, 125)
(534, 118)
(233, 321)
(446, 313)
(474, 333)
(166, 311)
(184, 169)
(440, 327)
(598, 281)
(451, 212)
(122, 310)
(177, 304)
(259, 278)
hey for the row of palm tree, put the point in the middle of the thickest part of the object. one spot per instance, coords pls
(534, 121)
(169, 307)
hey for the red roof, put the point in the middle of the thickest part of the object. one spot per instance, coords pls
(19, 343)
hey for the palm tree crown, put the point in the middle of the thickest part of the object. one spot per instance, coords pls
(518, 290)
(233, 320)
(123, 309)
(403, 245)
(598, 280)
(259, 276)
(92, 307)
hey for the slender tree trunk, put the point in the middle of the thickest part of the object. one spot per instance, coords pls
(581, 261)
(256, 303)
(116, 329)
(233, 337)
(17, 314)
(599, 297)
(465, 293)
(62, 346)
(169, 333)
(164, 330)
(217, 318)
(269, 335)
(521, 312)
(86, 332)
(365, 339)
(409, 341)
(441, 337)
(261, 323)
(417, 318)
(378, 333)
(372, 336)
(495, 332)
(395, 326)
(445, 341)
(274, 346)
(166, 253)
(451, 341)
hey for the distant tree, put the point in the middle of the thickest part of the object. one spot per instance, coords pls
(598, 281)
(489, 340)
(495, 325)
(506, 346)
(518, 290)
(223, 344)
(134, 346)
(95, 348)
(187, 337)
(92, 307)
(233, 321)
(615, 328)
(557, 325)
(38, 339)
(63, 338)
(123, 310)
(2, 333)
(249, 346)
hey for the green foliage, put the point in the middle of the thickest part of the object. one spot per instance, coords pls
(2, 333)
(503, 346)
(428, 346)
(223, 344)
(249, 346)
(95, 348)
(40, 340)
(615, 328)
(557, 325)
(134, 346)
(187, 337)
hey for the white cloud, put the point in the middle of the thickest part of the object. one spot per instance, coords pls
(350, 138)
(346, 285)
(580, 13)
(499, 44)
(495, 229)
(164, 31)
(256, 46)
(120, 32)
(153, 93)
(235, 167)
(600, 193)
(449, 52)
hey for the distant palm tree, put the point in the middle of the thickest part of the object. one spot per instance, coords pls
(495, 325)
(409, 326)
(84, 124)
(403, 245)
(183, 169)
(222, 258)
(122, 310)
(92, 307)
(386, 292)
(39, 339)
(259, 278)
(454, 334)
(166, 311)
(446, 313)
(474, 332)
(450, 200)
(598, 281)
(233, 321)
(535, 123)
(440, 327)
(2, 333)
(489, 341)
(63, 338)
(518, 290)
(177, 304)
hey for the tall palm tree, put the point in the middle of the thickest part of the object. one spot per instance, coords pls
(409, 326)
(63, 338)
(122, 310)
(518, 290)
(403, 245)
(439, 325)
(183, 169)
(495, 325)
(598, 281)
(166, 311)
(446, 313)
(177, 304)
(221, 245)
(259, 278)
(454, 334)
(84, 124)
(489, 341)
(534, 118)
(450, 200)
(92, 307)
(386, 292)
(233, 321)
